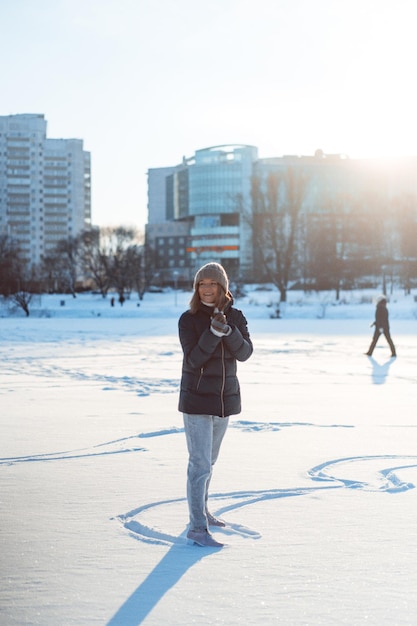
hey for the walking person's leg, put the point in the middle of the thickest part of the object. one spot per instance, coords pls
(374, 342)
(390, 342)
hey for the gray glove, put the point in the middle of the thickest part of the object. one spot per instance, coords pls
(219, 324)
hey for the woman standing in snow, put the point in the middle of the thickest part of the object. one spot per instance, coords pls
(213, 336)
(381, 324)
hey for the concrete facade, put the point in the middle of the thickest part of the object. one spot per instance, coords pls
(45, 186)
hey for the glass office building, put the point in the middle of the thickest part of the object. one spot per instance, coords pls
(207, 192)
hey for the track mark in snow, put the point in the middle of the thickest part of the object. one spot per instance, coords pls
(119, 446)
(276, 426)
(153, 535)
(377, 479)
(363, 472)
(160, 433)
(141, 386)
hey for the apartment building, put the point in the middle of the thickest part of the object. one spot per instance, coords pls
(45, 185)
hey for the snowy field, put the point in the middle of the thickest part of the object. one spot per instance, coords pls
(315, 478)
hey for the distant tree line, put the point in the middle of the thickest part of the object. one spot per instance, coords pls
(102, 259)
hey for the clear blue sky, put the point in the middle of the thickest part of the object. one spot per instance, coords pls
(144, 82)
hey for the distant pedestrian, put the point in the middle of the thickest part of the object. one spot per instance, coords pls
(213, 336)
(381, 324)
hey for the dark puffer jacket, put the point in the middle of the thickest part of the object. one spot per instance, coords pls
(209, 384)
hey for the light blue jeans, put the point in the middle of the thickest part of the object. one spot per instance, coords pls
(204, 435)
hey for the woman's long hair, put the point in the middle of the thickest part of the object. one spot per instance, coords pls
(222, 300)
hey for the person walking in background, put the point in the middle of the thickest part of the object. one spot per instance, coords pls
(381, 324)
(213, 336)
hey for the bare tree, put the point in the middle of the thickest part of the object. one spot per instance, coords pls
(10, 265)
(329, 245)
(61, 268)
(120, 254)
(405, 215)
(93, 260)
(51, 273)
(276, 208)
(17, 281)
(22, 299)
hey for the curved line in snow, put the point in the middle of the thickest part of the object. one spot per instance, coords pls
(382, 480)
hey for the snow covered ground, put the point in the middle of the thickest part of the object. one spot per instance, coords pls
(315, 478)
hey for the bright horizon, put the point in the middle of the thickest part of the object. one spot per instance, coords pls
(145, 83)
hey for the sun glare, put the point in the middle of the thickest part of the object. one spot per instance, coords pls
(380, 95)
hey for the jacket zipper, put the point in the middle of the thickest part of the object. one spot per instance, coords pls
(200, 377)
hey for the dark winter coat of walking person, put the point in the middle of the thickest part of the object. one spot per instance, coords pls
(381, 324)
(214, 336)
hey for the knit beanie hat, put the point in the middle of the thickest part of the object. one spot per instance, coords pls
(214, 271)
